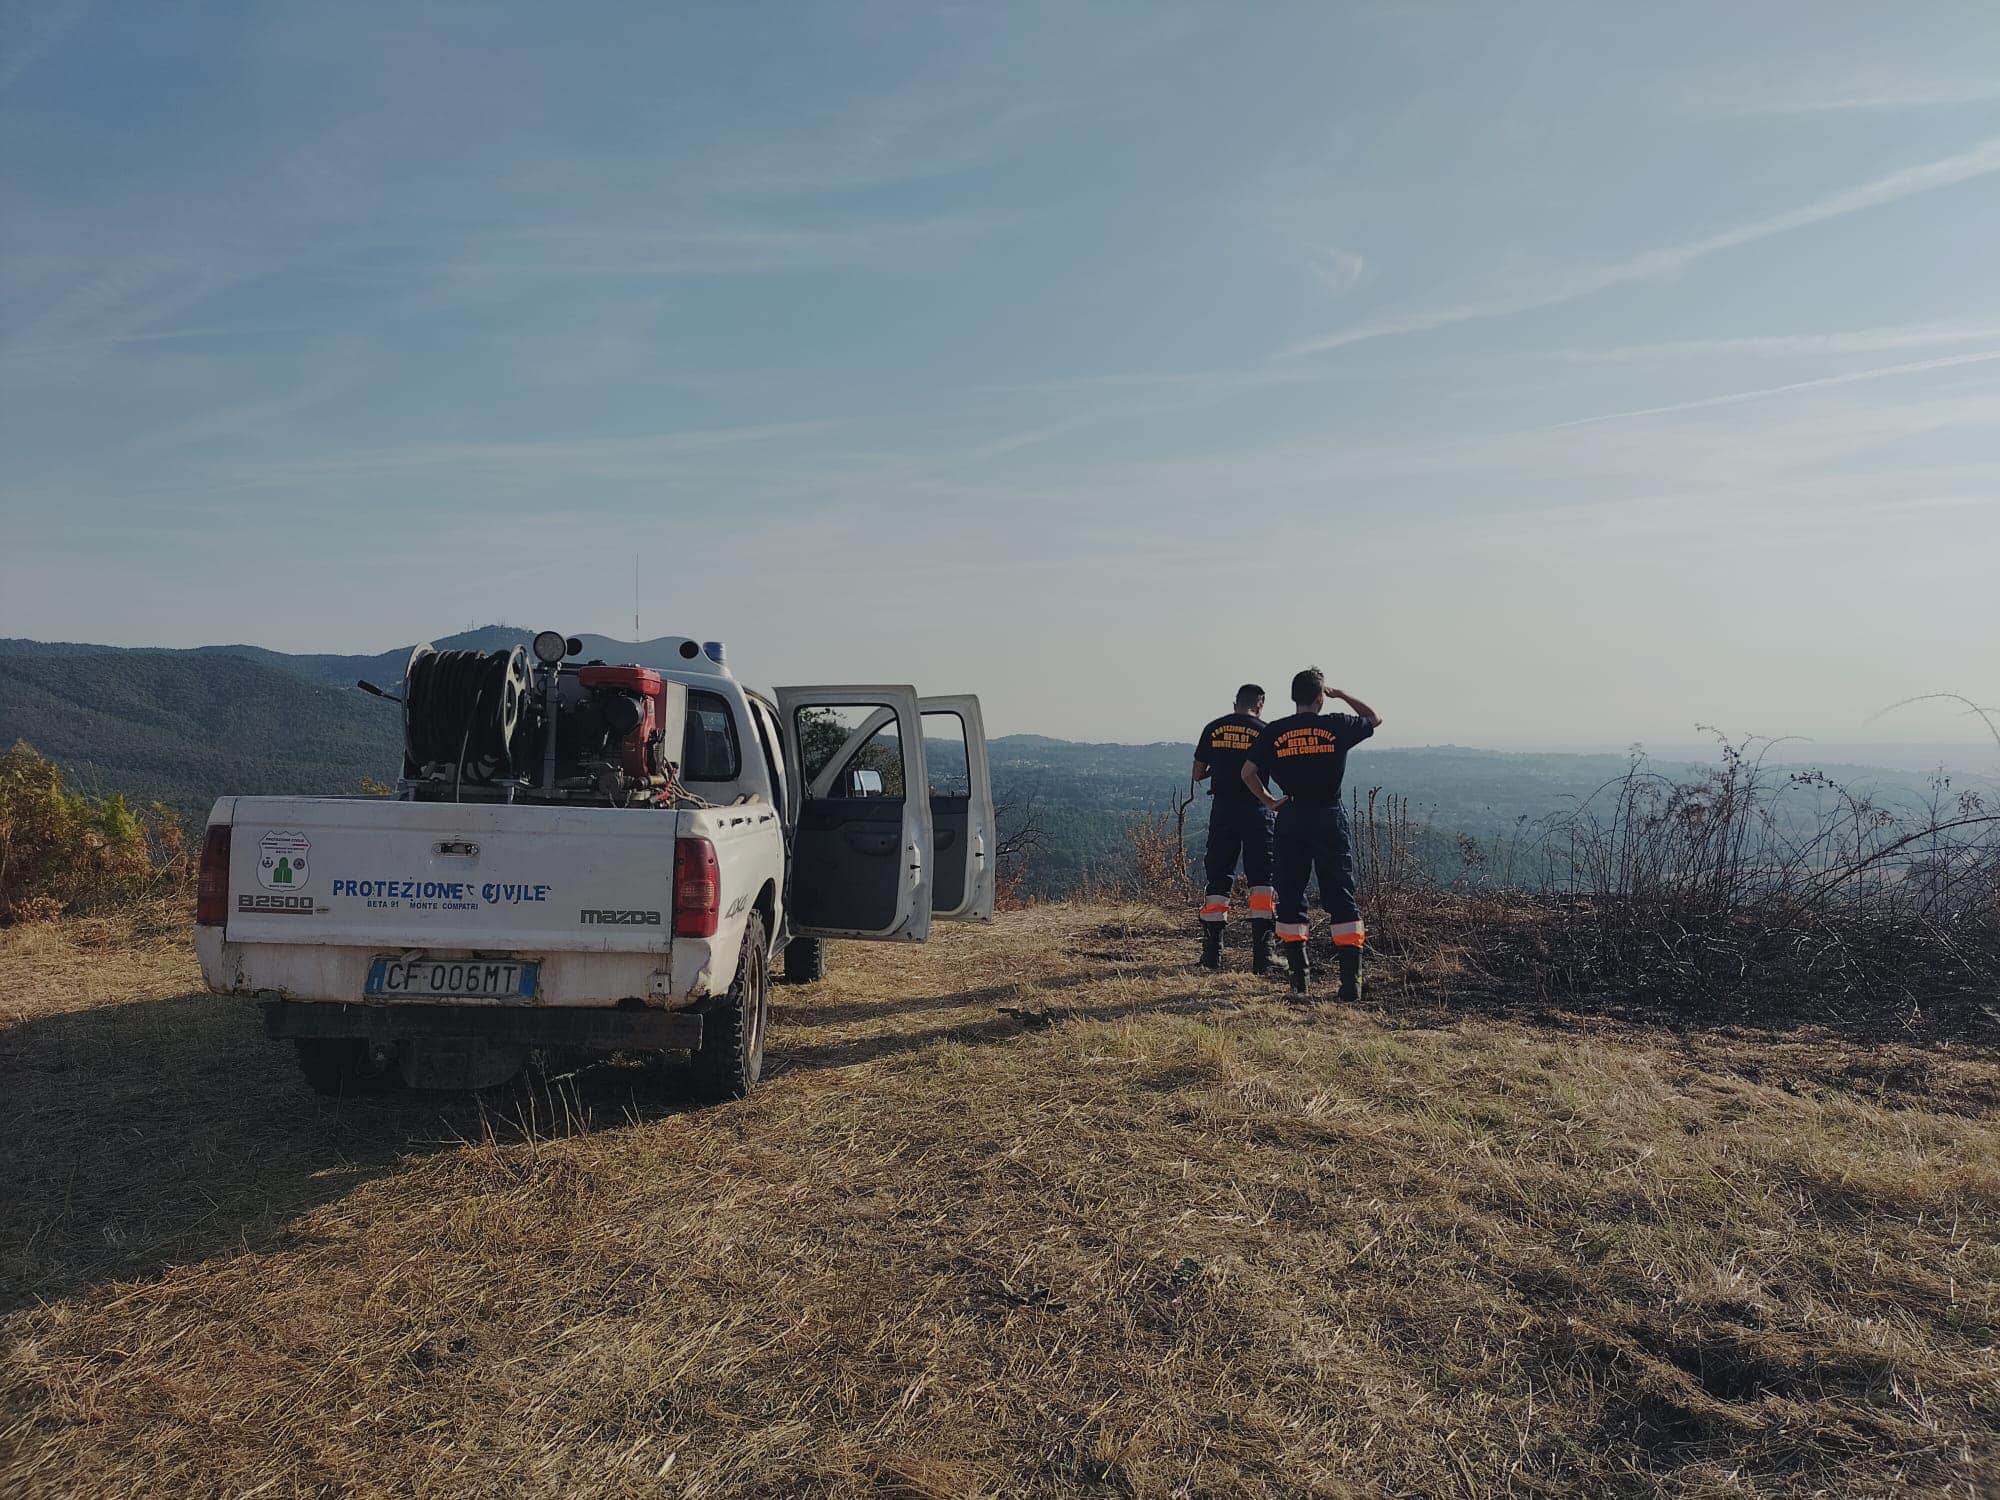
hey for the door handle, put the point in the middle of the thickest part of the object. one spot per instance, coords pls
(866, 841)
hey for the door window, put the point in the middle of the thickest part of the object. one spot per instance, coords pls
(945, 758)
(961, 804)
(949, 769)
(851, 752)
(767, 741)
(709, 751)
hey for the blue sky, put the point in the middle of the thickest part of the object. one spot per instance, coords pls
(1552, 374)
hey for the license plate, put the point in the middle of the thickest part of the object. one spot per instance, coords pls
(453, 978)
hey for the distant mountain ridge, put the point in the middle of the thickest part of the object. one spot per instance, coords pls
(183, 726)
(385, 668)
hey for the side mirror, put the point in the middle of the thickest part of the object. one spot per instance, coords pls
(864, 783)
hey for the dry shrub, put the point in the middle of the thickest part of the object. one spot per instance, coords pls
(1018, 838)
(1391, 882)
(1749, 886)
(1162, 871)
(63, 851)
(1010, 891)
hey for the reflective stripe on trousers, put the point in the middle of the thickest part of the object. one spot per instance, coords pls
(1239, 831)
(1312, 839)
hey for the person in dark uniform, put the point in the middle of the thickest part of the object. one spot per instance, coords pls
(1237, 826)
(1307, 755)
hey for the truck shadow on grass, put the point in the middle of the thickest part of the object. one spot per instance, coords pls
(1014, 1021)
(787, 1012)
(159, 1133)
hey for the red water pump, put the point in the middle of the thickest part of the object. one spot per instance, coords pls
(640, 708)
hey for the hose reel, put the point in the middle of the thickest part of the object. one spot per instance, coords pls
(461, 710)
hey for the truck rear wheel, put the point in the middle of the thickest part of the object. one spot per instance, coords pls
(342, 1066)
(731, 1056)
(805, 960)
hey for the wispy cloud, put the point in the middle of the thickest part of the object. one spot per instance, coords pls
(638, 458)
(112, 298)
(1980, 161)
(12, 351)
(1339, 271)
(1794, 345)
(638, 251)
(1750, 97)
(914, 136)
(1143, 397)
(1851, 377)
(333, 367)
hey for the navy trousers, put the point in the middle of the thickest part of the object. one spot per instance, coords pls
(1245, 831)
(1313, 836)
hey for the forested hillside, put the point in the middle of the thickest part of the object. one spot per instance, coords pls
(182, 728)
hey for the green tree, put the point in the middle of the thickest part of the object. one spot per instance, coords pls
(821, 735)
(62, 850)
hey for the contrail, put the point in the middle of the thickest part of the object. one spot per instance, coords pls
(1980, 161)
(1883, 372)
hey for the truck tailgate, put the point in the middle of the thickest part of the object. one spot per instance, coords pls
(441, 875)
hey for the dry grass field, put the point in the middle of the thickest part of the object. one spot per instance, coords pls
(1037, 1209)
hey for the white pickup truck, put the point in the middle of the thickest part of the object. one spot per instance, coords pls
(592, 857)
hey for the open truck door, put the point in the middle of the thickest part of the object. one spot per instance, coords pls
(861, 816)
(962, 819)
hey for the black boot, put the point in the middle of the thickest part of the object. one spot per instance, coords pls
(1295, 958)
(1350, 973)
(1261, 929)
(1211, 945)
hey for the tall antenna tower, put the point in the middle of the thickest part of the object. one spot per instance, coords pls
(635, 600)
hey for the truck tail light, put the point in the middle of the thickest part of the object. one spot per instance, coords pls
(697, 889)
(211, 902)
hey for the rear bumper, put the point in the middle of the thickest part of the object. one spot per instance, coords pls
(534, 1026)
(335, 973)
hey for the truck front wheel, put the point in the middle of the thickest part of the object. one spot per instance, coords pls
(731, 1056)
(805, 960)
(341, 1066)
